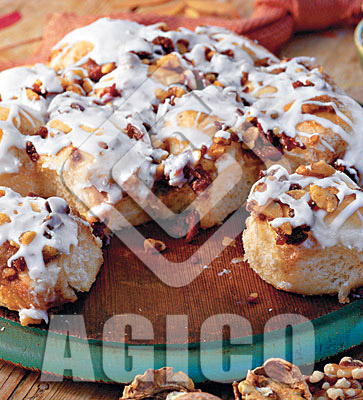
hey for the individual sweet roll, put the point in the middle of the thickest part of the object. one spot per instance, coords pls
(296, 107)
(17, 122)
(105, 40)
(88, 154)
(305, 232)
(146, 64)
(30, 85)
(204, 153)
(47, 255)
(25, 94)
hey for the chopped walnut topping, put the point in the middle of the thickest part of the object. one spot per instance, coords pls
(42, 132)
(27, 237)
(262, 62)
(166, 43)
(227, 241)
(310, 108)
(193, 223)
(9, 273)
(154, 246)
(35, 207)
(297, 236)
(323, 198)
(161, 381)
(4, 219)
(110, 92)
(252, 298)
(133, 132)
(199, 179)
(94, 70)
(32, 153)
(60, 126)
(272, 210)
(19, 264)
(208, 53)
(49, 252)
(182, 45)
(296, 194)
(298, 84)
(107, 68)
(318, 169)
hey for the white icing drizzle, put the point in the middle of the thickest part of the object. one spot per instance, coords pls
(11, 137)
(49, 224)
(14, 80)
(113, 38)
(102, 133)
(34, 314)
(208, 50)
(268, 106)
(277, 183)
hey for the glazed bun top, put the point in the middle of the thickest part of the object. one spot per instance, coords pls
(35, 231)
(315, 205)
(179, 99)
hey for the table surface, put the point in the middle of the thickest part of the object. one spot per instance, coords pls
(334, 49)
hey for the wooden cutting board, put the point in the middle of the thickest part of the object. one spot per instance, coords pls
(126, 286)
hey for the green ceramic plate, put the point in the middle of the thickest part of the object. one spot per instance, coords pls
(334, 333)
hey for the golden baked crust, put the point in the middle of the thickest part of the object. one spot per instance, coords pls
(194, 106)
(304, 232)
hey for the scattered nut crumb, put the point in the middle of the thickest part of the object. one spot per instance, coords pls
(154, 246)
(237, 260)
(227, 241)
(252, 298)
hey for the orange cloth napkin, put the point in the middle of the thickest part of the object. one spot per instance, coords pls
(272, 23)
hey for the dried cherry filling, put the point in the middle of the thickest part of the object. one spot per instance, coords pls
(271, 146)
(198, 178)
(166, 44)
(354, 176)
(297, 236)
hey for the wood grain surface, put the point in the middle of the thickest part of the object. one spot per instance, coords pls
(124, 284)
